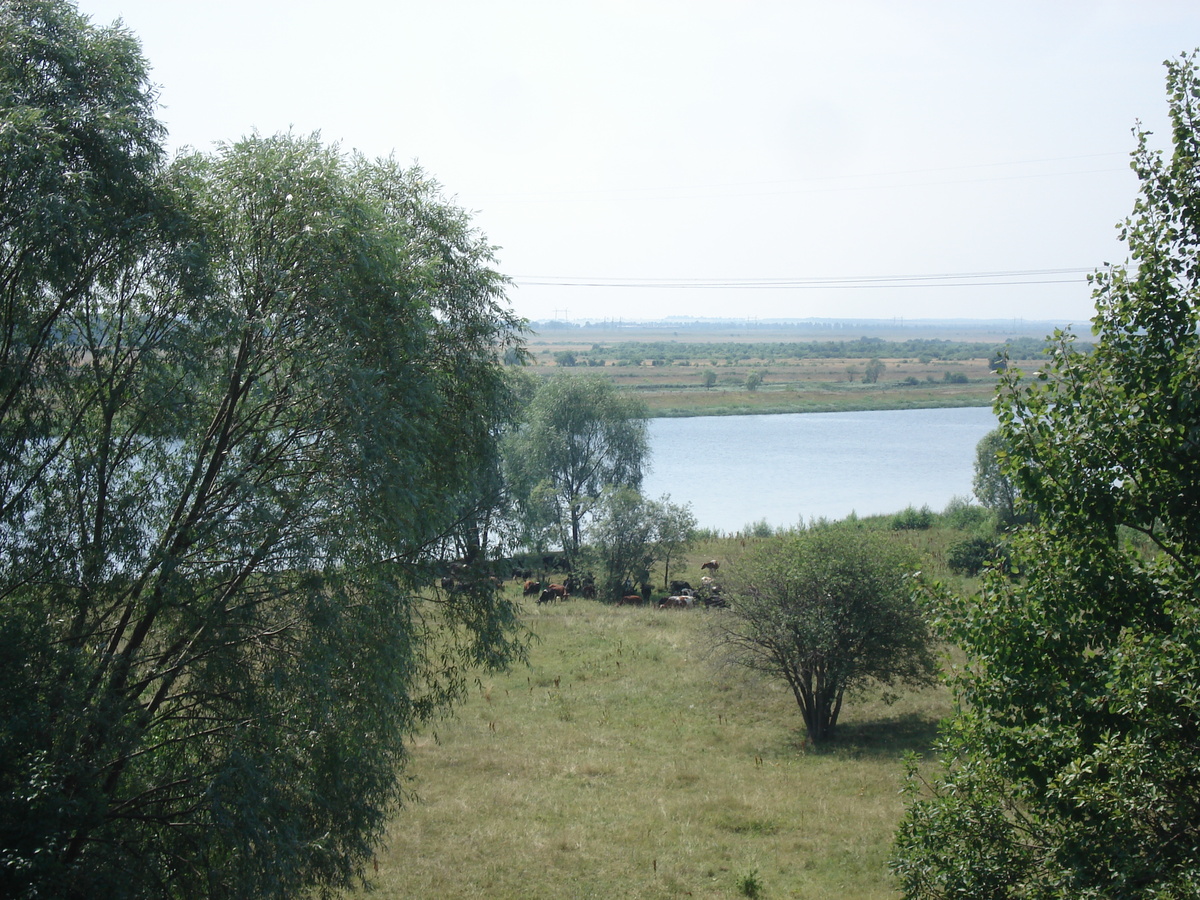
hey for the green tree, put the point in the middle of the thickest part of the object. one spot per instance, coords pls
(622, 538)
(674, 532)
(753, 380)
(710, 379)
(237, 394)
(874, 369)
(631, 534)
(994, 487)
(1070, 768)
(581, 435)
(828, 610)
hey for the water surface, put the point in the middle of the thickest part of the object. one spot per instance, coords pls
(735, 470)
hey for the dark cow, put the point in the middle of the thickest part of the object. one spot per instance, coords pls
(712, 564)
(531, 588)
(678, 587)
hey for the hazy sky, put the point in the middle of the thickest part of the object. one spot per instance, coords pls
(717, 143)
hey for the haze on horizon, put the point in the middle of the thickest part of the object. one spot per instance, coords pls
(712, 158)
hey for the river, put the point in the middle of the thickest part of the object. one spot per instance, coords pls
(738, 470)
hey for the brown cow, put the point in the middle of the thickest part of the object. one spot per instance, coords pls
(630, 600)
(711, 564)
(559, 591)
(531, 588)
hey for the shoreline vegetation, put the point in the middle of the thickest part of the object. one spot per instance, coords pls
(708, 370)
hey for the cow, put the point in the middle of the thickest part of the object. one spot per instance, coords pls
(589, 590)
(547, 596)
(630, 600)
(559, 590)
(676, 602)
(531, 588)
(712, 564)
(678, 587)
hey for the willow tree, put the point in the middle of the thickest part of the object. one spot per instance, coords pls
(580, 436)
(1070, 768)
(241, 396)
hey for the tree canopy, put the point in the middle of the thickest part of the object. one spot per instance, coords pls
(240, 396)
(828, 610)
(581, 435)
(993, 485)
(1070, 768)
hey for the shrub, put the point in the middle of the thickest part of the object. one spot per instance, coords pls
(912, 518)
(972, 555)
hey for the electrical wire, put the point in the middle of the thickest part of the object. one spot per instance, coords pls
(955, 279)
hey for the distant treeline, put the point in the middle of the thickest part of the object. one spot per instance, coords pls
(926, 350)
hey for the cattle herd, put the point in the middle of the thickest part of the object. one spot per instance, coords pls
(682, 595)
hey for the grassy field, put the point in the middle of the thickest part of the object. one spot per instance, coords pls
(625, 762)
(676, 387)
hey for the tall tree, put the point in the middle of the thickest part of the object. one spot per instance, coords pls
(581, 436)
(994, 486)
(1070, 769)
(827, 610)
(674, 531)
(238, 396)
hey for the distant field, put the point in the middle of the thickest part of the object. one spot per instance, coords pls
(821, 370)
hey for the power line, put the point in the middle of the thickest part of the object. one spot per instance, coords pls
(954, 279)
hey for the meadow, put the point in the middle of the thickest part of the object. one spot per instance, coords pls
(704, 371)
(626, 761)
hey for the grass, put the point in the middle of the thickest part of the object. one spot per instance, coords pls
(622, 762)
(811, 385)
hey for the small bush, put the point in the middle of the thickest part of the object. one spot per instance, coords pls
(912, 518)
(761, 529)
(972, 555)
(962, 514)
(749, 885)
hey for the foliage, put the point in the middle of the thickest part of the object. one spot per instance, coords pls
(972, 555)
(964, 515)
(622, 538)
(753, 380)
(912, 519)
(1071, 769)
(865, 348)
(873, 370)
(994, 484)
(239, 402)
(580, 436)
(674, 532)
(631, 534)
(828, 610)
(749, 885)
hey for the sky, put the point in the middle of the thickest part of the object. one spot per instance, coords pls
(634, 160)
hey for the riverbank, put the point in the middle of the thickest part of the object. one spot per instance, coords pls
(723, 379)
(667, 403)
